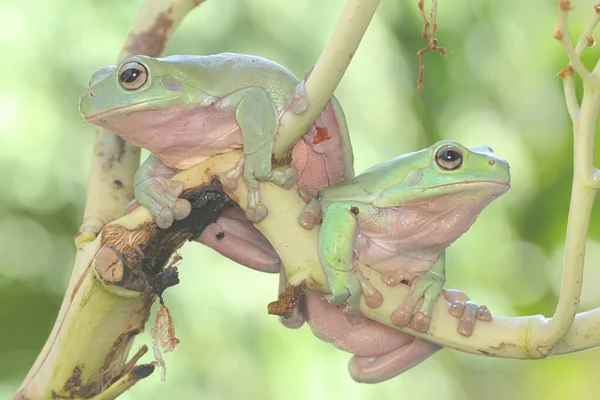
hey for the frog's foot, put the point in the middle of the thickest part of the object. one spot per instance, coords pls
(345, 287)
(255, 210)
(311, 214)
(373, 297)
(229, 178)
(466, 311)
(161, 197)
(297, 101)
(425, 288)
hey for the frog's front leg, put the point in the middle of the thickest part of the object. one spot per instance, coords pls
(426, 287)
(256, 115)
(337, 237)
(155, 190)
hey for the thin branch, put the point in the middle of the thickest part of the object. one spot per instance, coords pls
(585, 40)
(561, 33)
(327, 73)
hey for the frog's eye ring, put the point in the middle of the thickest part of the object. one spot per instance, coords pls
(449, 158)
(133, 75)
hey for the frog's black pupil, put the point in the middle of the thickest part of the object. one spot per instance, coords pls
(130, 75)
(450, 155)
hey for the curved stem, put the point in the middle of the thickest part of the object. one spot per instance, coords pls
(328, 72)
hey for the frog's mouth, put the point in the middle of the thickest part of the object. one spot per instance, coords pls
(474, 184)
(130, 108)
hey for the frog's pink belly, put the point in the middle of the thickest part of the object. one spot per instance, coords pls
(180, 136)
(383, 259)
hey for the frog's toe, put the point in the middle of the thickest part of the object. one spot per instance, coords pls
(165, 218)
(289, 178)
(182, 209)
(483, 314)
(420, 322)
(456, 308)
(401, 316)
(257, 213)
(466, 323)
(286, 179)
(228, 181)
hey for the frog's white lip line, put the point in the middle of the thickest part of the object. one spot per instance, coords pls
(471, 183)
(128, 107)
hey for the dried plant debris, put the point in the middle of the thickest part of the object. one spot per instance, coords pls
(287, 301)
(428, 34)
(163, 335)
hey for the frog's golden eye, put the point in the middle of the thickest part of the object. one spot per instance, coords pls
(449, 157)
(133, 75)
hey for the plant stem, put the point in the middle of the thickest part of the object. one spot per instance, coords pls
(582, 193)
(328, 72)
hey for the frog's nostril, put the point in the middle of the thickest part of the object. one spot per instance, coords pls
(92, 94)
(492, 162)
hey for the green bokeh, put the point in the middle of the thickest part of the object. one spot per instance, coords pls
(498, 86)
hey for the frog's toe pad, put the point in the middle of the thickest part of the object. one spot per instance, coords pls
(483, 314)
(165, 218)
(375, 300)
(182, 209)
(420, 322)
(257, 213)
(288, 178)
(228, 181)
(307, 220)
(465, 327)
(456, 309)
(401, 317)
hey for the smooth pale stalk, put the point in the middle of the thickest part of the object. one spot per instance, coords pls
(329, 69)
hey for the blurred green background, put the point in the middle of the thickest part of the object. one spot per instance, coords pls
(498, 87)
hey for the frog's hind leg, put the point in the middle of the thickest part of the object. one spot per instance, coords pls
(256, 116)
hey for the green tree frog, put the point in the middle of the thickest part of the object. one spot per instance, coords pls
(186, 109)
(398, 218)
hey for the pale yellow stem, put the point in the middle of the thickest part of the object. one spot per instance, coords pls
(328, 72)
(546, 338)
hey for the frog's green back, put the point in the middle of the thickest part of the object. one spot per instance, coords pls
(222, 74)
(367, 186)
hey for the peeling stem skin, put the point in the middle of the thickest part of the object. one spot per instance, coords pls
(583, 195)
(502, 337)
(328, 71)
(115, 161)
(85, 334)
